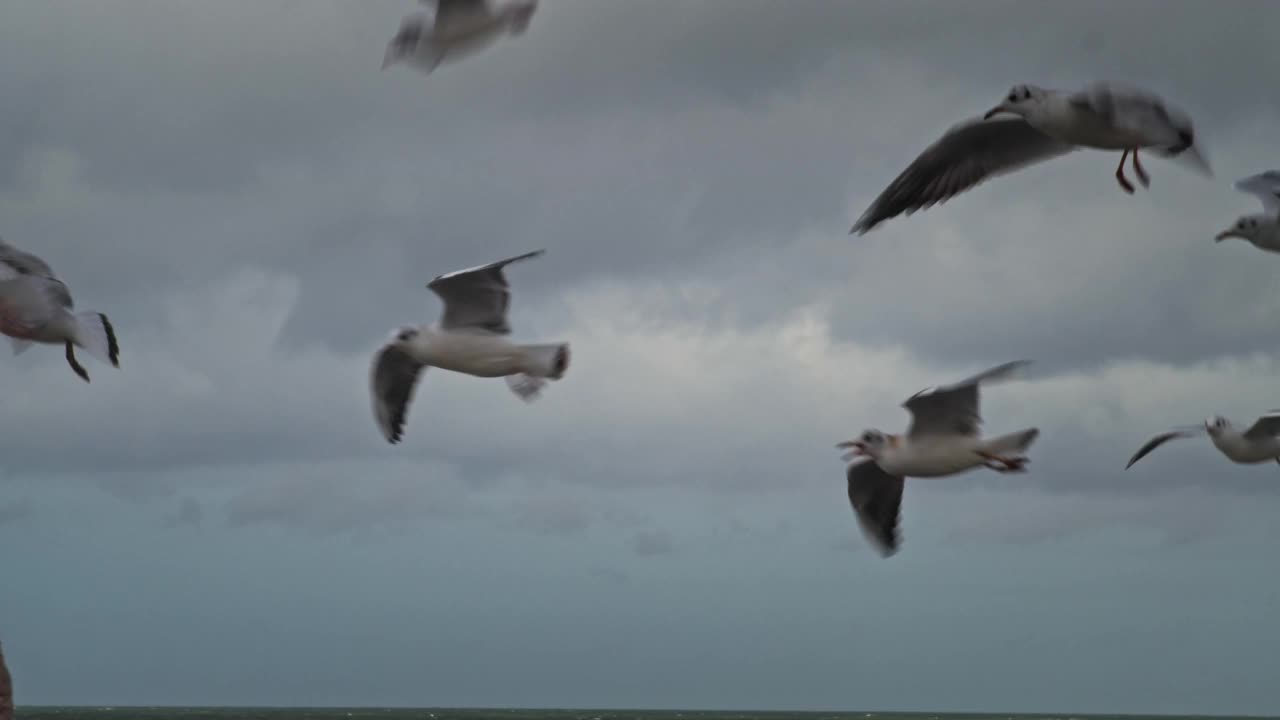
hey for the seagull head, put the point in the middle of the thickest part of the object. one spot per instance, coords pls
(1216, 425)
(870, 443)
(1247, 227)
(405, 40)
(1020, 101)
(405, 335)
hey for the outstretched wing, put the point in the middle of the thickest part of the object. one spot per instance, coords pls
(965, 156)
(392, 381)
(876, 497)
(953, 409)
(1156, 442)
(1266, 186)
(449, 12)
(477, 298)
(1267, 426)
(17, 262)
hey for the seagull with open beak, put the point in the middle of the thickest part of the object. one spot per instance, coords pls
(944, 439)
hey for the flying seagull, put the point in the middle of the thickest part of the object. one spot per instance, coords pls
(459, 28)
(1032, 125)
(944, 439)
(470, 337)
(1259, 443)
(6, 690)
(1262, 229)
(36, 307)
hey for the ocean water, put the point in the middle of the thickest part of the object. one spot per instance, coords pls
(168, 713)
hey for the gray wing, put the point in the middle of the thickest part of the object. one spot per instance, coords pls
(451, 11)
(876, 497)
(953, 409)
(392, 381)
(1156, 442)
(1266, 426)
(965, 156)
(15, 262)
(6, 690)
(477, 298)
(1266, 186)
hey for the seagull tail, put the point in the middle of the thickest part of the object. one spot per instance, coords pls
(95, 334)
(1014, 442)
(548, 361)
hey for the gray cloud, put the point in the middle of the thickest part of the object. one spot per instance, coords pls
(255, 205)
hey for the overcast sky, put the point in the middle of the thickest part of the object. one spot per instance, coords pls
(256, 206)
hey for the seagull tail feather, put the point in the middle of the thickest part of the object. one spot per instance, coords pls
(1014, 442)
(95, 334)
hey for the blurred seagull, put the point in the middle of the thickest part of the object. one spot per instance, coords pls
(943, 439)
(1046, 124)
(470, 338)
(1262, 229)
(35, 307)
(6, 690)
(459, 28)
(1258, 444)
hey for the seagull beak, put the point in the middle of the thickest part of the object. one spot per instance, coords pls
(994, 111)
(1223, 235)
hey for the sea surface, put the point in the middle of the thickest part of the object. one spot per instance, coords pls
(174, 713)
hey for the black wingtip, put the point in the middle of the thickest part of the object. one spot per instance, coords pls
(76, 366)
(113, 346)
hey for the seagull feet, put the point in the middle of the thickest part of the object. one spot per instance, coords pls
(1142, 174)
(1005, 464)
(1120, 178)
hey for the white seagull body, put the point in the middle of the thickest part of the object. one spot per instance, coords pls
(1258, 443)
(1262, 230)
(471, 338)
(36, 307)
(459, 28)
(1046, 124)
(943, 439)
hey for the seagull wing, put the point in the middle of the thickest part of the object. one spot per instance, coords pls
(876, 497)
(1159, 440)
(965, 156)
(1266, 186)
(477, 298)
(1267, 426)
(392, 381)
(14, 262)
(449, 12)
(953, 409)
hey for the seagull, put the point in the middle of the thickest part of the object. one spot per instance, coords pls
(1031, 125)
(35, 307)
(470, 338)
(943, 439)
(1258, 444)
(1262, 229)
(6, 690)
(459, 28)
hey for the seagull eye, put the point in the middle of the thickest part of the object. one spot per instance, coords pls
(868, 437)
(405, 335)
(1013, 97)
